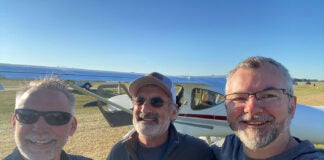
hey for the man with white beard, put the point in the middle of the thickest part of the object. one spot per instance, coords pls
(43, 121)
(155, 137)
(260, 105)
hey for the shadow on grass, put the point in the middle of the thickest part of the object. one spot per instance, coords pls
(92, 104)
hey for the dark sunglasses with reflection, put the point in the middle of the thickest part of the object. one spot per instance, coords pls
(156, 102)
(54, 118)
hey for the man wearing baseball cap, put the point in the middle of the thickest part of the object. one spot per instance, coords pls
(154, 136)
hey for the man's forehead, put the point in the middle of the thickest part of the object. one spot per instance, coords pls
(46, 97)
(256, 79)
(38, 91)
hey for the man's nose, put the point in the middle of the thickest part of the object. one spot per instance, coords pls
(40, 124)
(146, 107)
(252, 105)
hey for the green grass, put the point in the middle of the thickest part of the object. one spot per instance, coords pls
(309, 94)
(94, 138)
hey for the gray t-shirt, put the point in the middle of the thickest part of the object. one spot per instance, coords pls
(232, 149)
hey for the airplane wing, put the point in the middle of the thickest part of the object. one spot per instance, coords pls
(15, 71)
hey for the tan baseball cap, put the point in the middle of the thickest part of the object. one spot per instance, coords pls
(154, 78)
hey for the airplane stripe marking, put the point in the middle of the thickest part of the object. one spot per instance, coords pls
(195, 125)
(213, 117)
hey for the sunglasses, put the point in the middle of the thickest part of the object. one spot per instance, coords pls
(54, 118)
(155, 102)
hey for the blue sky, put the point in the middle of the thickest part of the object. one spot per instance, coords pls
(174, 37)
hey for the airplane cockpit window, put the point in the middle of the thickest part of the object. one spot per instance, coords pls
(202, 99)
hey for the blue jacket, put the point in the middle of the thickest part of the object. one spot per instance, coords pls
(179, 147)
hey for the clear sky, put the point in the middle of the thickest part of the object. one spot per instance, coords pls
(174, 37)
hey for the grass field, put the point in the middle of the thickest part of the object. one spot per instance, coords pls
(94, 138)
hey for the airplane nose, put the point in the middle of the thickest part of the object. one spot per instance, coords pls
(308, 119)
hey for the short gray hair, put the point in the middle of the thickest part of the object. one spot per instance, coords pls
(50, 82)
(257, 62)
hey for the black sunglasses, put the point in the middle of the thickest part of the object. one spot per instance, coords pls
(54, 118)
(155, 101)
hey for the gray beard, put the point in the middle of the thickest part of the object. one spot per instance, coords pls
(253, 140)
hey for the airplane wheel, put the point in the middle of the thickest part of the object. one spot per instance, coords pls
(87, 86)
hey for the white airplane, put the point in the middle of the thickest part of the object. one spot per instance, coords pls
(201, 111)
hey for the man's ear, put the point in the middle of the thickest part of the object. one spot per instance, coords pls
(293, 104)
(13, 122)
(74, 125)
(174, 112)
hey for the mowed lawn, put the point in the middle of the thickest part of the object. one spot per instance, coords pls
(94, 137)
